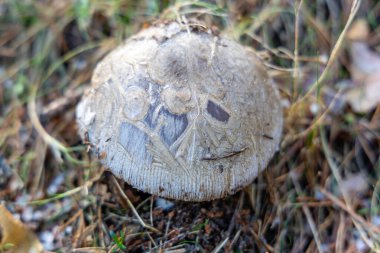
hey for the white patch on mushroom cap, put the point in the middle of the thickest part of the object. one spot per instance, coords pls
(84, 113)
(136, 103)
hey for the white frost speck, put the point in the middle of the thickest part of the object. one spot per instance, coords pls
(164, 204)
(314, 108)
(55, 184)
(323, 58)
(360, 245)
(47, 239)
(27, 214)
(285, 103)
(376, 220)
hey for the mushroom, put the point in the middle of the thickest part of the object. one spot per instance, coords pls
(182, 113)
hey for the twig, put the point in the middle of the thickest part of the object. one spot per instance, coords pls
(60, 104)
(100, 225)
(334, 54)
(125, 197)
(220, 246)
(151, 239)
(82, 188)
(234, 215)
(296, 60)
(257, 238)
(71, 220)
(308, 215)
(335, 171)
(340, 237)
(317, 122)
(55, 145)
(90, 249)
(52, 142)
(167, 227)
(236, 237)
(349, 210)
(38, 164)
(283, 53)
(151, 210)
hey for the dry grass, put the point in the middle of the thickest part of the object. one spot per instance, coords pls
(304, 201)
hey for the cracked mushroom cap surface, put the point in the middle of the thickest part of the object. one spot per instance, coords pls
(181, 113)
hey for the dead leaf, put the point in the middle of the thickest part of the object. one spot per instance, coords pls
(355, 184)
(365, 71)
(364, 99)
(359, 30)
(15, 237)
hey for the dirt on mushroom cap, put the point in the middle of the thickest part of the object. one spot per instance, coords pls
(195, 126)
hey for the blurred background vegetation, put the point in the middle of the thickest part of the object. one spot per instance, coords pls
(320, 193)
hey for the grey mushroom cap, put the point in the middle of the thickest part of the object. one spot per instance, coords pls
(182, 113)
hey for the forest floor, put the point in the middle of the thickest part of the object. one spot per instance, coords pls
(320, 193)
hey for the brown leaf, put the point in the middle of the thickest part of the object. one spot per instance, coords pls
(365, 98)
(359, 30)
(15, 237)
(365, 71)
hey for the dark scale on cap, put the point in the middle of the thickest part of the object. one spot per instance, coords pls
(173, 127)
(154, 105)
(149, 120)
(134, 140)
(217, 112)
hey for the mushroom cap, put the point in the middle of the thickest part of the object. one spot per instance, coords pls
(182, 113)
